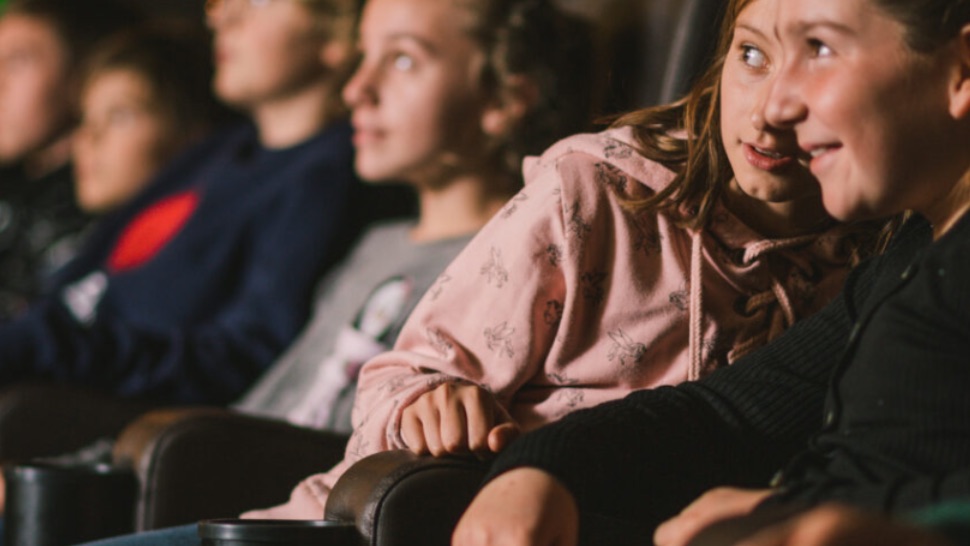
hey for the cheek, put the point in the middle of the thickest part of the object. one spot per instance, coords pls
(33, 104)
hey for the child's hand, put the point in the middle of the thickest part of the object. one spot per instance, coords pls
(457, 419)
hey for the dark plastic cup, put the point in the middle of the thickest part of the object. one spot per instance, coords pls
(261, 532)
(55, 505)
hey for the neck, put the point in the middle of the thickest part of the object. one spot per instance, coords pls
(946, 212)
(50, 158)
(459, 207)
(777, 220)
(290, 120)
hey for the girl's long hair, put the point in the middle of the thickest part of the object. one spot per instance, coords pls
(685, 137)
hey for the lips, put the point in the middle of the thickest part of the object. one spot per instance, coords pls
(820, 154)
(767, 159)
(364, 136)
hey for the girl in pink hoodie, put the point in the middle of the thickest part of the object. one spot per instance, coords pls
(646, 255)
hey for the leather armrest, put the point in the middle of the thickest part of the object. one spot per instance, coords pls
(39, 420)
(197, 463)
(398, 498)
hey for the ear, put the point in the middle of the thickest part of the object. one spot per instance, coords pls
(960, 86)
(334, 54)
(516, 98)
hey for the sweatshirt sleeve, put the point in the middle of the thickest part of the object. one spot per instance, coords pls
(208, 362)
(487, 320)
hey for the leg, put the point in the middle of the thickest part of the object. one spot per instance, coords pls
(186, 535)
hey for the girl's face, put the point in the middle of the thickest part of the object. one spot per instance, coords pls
(416, 98)
(764, 157)
(873, 114)
(34, 108)
(122, 142)
(265, 50)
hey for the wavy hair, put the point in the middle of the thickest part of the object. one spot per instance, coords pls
(553, 51)
(685, 137)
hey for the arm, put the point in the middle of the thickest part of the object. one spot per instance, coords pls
(460, 334)
(641, 459)
(481, 325)
(212, 361)
(637, 461)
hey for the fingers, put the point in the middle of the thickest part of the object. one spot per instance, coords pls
(412, 429)
(451, 419)
(502, 435)
(714, 505)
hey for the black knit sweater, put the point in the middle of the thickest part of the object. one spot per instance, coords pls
(634, 462)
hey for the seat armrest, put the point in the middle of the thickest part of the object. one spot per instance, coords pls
(134, 444)
(399, 498)
(195, 464)
(42, 420)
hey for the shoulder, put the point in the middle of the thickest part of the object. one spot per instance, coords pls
(386, 235)
(609, 159)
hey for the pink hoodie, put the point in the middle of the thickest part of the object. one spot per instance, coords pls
(567, 299)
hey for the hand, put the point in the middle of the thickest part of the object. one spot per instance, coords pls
(456, 419)
(715, 505)
(525, 506)
(834, 525)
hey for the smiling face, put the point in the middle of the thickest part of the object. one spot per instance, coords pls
(874, 114)
(416, 98)
(764, 157)
(265, 52)
(122, 141)
(34, 109)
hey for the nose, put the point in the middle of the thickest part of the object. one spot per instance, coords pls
(783, 106)
(360, 88)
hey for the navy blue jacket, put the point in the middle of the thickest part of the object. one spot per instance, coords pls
(201, 317)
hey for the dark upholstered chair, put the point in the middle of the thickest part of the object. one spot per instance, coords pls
(396, 498)
(202, 463)
(41, 420)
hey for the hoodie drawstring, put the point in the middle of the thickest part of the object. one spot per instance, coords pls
(696, 312)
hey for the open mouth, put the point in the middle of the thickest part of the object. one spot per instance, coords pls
(766, 159)
(818, 154)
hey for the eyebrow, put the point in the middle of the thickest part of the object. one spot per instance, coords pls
(751, 29)
(423, 43)
(803, 27)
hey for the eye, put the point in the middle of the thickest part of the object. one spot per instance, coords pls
(120, 116)
(753, 57)
(819, 48)
(402, 62)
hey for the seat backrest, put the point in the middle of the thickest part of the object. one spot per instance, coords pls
(691, 45)
(654, 49)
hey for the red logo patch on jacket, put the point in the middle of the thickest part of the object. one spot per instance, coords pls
(151, 230)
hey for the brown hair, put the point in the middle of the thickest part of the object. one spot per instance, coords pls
(929, 23)
(337, 21)
(79, 24)
(172, 58)
(552, 50)
(686, 137)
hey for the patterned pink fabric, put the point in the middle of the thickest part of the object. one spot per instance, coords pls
(567, 299)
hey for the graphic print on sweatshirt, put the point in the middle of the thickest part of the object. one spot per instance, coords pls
(140, 241)
(384, 308)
